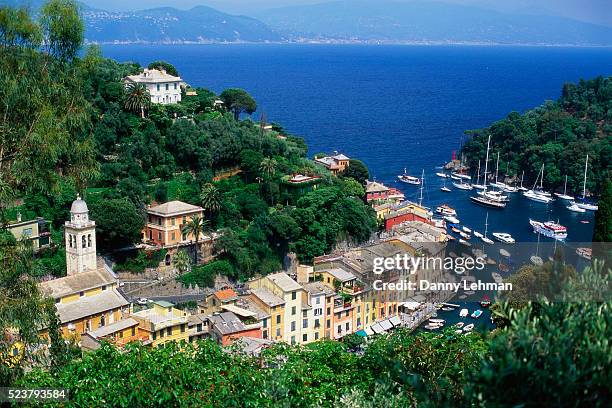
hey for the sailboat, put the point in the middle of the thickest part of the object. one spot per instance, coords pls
(484, 237)
(497, 183)
(583, 203)
(478, 185)
(444, 188)
(483, 199)
(538, 195)
(575, 208)
(521, 188)
(564, 196)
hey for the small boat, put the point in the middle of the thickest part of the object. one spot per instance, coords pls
(451, 219)
(477, 234)
(485, 302)
(460, 325)
(437, 321)
(440, 174)
(575, 207)
(549, 229)
(447, 309)
(464, 235)
(463, 313)
(487, 202)
(458, 331)
(453, 177)
(459, 176)
(463, 186)
(585, 253)
(445, 209)
(564, 196)
(584, 221)
(476, 314)
(464, 242)
(405, 178)
(466, 229)
(487, 240)
(585, 205)
(445, 189)
(469, 327)
(432, 326)
(536, 260)
(455, 230)
(533, 196)
(462, 297)
(503, 237)
(497, 278)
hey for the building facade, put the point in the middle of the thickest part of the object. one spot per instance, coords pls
(165, 222)
(36, 231)
(80, 234)
(163, 87)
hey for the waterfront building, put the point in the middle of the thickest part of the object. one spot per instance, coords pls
(407, 211)
(163, 87)
(378, 193)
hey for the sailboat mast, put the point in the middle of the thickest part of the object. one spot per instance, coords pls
(487, 163)
(422, 182)
(497, 168)
(565, 186)
(478, 173)
(522, 175)
(586, 166)
(486, 225)
(542, 179)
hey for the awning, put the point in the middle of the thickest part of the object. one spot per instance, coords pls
(361, 333)
(411, 305)
(395, 321)
(386, 325)
(369, 331)
(377, 328)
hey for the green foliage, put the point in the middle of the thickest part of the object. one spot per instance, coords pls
(356, 170)
(238, 101)
(204, 275)
(142, 260)
(559, 134)
(137, 98)
(62, 28)
(168, 67)
(118, 223)
(181, 262)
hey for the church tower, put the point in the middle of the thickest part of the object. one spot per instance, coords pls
(80, 239)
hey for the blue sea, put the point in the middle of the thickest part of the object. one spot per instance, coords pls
(395, 106)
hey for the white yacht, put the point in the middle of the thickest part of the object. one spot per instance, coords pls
(463, 186)
(405, 178)
(503, 237)
(583, 203)
(445, 209)
(575, 208)
(549, 229)
(564, 196)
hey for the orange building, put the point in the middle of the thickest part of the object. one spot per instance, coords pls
(165, 223)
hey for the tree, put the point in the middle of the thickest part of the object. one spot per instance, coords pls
(268, 169)
(118, 223)
(211, 198)
(181, 262)
(166, 66)
(62, 27)
(356, 170)
(196, 227)
(137, 98)
(238, 101)
(602, 232)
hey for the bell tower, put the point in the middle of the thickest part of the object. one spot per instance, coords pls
(80, 239)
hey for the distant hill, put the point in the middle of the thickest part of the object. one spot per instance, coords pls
(166, 25)
(428, 22)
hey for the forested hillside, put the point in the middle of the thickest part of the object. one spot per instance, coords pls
(559, 134)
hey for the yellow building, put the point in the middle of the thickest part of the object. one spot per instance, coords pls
(86, 301)
(36, 231)
(295, 312)
(163, 323)
(119, 333)
(273, 306)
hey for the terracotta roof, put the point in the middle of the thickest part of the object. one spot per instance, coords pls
(226, 294)
(68, 285)
(174, 207)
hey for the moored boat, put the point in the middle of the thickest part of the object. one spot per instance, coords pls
(445, 189)
(463, 313)
(469, 327)
(575, 208)
(463, 186)
(405, 178)
(487, 202)
(445, 209)
(549, 229)
(451, 219)
(440, 174)
(485, 302)
(476, 314)
(503, 237)
(497, 278)
(585, 253)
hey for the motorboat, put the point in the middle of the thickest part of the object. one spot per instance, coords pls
(497, 278)
(460, 176)
(575, 207)
(477, 234)
(464, 313)
(585, 253)
(536, 260)
(453, 177)
(494, 195)
(585, 205)
(476, 314)
(405, 178)
(444, 209)
(445, 189)
(466, 229)
(443, 175)
(464, 242)
(463, 186)
(432, 326)
(538, 197)
(468, 327)
(447, 309)
(455, 230)
(549, 229)
(451, 219)
(464, 235)
(479, 186)
(487, 240)
(437, 321)
(503, 237)
(460, 325)
(509, 189)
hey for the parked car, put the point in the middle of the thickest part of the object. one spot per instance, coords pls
(142, 301)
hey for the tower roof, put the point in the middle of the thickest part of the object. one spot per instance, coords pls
(79, 206)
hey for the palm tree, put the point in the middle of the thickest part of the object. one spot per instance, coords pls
(211, 198)
(268, 169)
(137, 98)
(196, 227)
(181, 262)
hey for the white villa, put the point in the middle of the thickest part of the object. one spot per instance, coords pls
(163, 87)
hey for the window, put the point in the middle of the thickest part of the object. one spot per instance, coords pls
(265, 323)
(150, 234)
(328, 323)
(293, 295)
(292, 340)
(134, 331)
(317, 324)
(347, 326)
(199, 327)
(167, 86)
(89, 241)
(292, 326)
(173, 235)
(317, 336)
(305, 323)
(159, 236)
(81, 294)
(318, 301)
(169, 331)
(346, 313)
(103, 287)
(27, 232)
(158, 87)
(173, 221)
(154, 336)
(84, 244)
(359, 309)
(359, 321)
(339, 329)
(278, 332)
(278, 319)
(265, 334)
(57, 300)
(175, 85)
(328, 310)
(182, 328)
(102, 321)
(293, 311)
(318, 312)
(305, 337)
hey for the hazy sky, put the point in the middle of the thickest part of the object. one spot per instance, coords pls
(597, 11)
